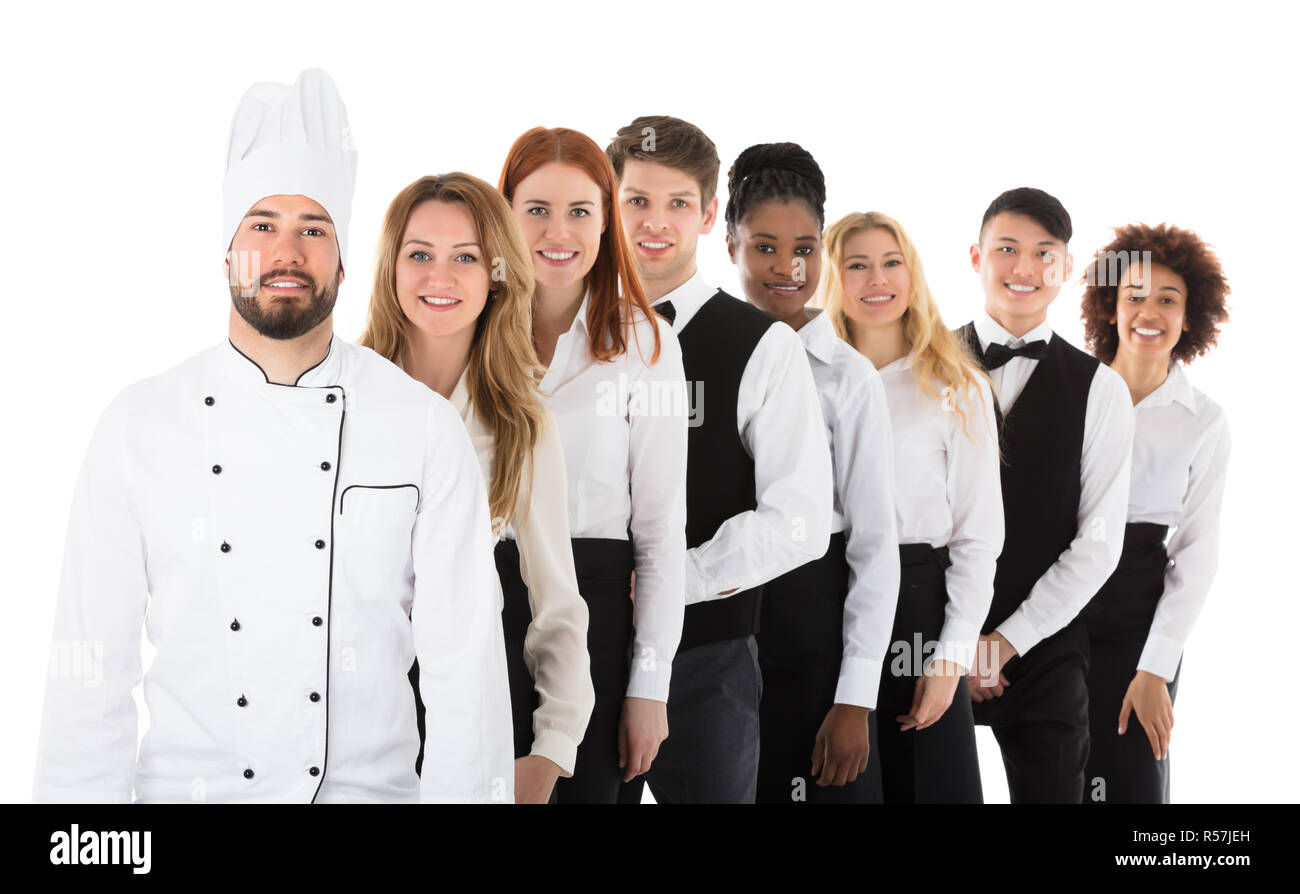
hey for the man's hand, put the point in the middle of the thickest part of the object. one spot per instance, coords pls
(535, 778)
(992, 652)
(933, 695)
(842, 746)
(1149, 697)
(641, 730)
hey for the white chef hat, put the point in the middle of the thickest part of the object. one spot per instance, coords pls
(291, 139)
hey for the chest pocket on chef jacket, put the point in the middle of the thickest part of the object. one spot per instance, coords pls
(375, 525)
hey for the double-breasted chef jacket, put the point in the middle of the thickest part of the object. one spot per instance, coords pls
(289, 550)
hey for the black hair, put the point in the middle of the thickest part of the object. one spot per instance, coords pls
(774, 171)
(1042, 207)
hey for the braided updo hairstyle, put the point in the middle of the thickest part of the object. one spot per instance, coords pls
(782, 171)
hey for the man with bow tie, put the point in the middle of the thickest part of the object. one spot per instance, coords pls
(1066, 427)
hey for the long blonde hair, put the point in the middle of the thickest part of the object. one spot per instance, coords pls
(937, 352)
(502, 359)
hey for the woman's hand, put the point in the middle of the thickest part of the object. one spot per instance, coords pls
(1148, 696)
(535, 778)
(641, 730)
(842, 746)
(933, 694)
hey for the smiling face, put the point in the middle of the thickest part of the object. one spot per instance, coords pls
(283, 266)
(1021, 267)
(663, 219)
(559, 209)
(877, 284)
(442, 277)
(1150, 310)
(778, 249)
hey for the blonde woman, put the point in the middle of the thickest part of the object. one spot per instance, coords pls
(451, 307)
(948, 499)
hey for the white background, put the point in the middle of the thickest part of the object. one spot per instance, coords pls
(115, 125)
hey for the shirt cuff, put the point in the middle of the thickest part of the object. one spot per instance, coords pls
(1160, 656)
(1019, 632)
(649, 679)
(694, 583)
(556, 746)
(859, 682)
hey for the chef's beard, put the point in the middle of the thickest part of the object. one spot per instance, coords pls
(291, 320)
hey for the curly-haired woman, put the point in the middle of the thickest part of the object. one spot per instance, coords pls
(1154, 302)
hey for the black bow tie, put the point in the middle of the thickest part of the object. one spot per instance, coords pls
(666, 310)
(997, 355)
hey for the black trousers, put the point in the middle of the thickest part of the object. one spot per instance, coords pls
(1123, 769)
(1041, 719)
(604, 569)
(939, 764)
(800, 648)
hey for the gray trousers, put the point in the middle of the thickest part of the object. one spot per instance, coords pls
(711, 753)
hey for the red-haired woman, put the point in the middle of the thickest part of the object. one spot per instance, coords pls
(1155, 300)
(616, 387)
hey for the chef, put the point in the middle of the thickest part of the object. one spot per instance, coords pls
(294, 520)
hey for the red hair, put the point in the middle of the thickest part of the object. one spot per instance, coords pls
(609, 305)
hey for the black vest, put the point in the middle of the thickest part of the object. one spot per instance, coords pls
(716, 346)
(1042, 451)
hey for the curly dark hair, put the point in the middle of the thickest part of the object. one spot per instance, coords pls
(781, 171)
(1183, 252)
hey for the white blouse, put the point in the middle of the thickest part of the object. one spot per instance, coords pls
(623, 426)
(856, 417)
(949, 493)
(555, 646)
(1180, 460)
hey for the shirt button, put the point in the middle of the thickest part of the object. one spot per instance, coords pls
(325, 466)
(234, 625)
(320, 544)
(216, 470)
(315, 696)
(225, 547)
(248, 774)
(242, 702)
(330, 398)
(209, 401)
(316, 621)
(315, 771)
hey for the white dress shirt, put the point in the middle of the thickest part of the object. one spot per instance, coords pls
(1180, 460)
(289, 550)
(856, 414)
(949, 493)
(1065, 588)
(555, 646)
(780, 424)
(623, 425)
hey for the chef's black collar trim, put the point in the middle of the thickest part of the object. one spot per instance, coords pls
(328, 351)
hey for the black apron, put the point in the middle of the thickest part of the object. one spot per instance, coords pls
(939, 764)
(604, 568)
(800, 648)
(1122, 769)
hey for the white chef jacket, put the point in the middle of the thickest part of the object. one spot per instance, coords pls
(1107, 457)
(856, 415)
(1180, 461)
(949, 493)
(289, 550)
(555, 646)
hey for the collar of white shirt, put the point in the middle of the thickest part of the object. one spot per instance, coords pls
(1175, 388)
(818, 335)
(990, 331)
(243, 370)
(688, 298)
(899, 365)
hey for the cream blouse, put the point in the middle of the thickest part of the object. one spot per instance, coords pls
(555, 647)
